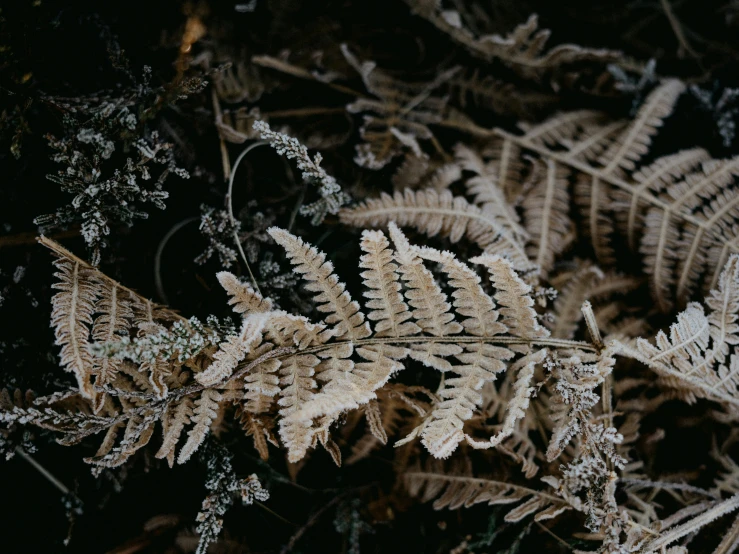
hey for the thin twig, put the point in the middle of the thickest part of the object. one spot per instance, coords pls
(296, 209)
(229, 205)
(303, 112)
(278, 516)
(42, 470)
(315, 517)
(678, 30)
(22, 239)
(158, 257)
(550, 532)
(224, 149)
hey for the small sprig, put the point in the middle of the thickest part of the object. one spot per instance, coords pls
(216, 226)
(182, 341)
(222, 485)
(332, 197)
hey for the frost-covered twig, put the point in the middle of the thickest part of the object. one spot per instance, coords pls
(332, 197)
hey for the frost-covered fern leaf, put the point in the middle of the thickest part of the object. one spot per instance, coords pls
(514, 297)
(243, 299)
(112, 323)
(517, 405)
(480, 362)
(184, 374)
(331, 295)
(699, 354)
(491, 227)
(234, 349)
(296, 379)
(91, 307)
(203, 414)
(71, 317)
(174, 422)
(454, 490)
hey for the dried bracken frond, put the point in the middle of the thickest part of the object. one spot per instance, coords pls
(698, 355)
(311, 369)
(398, 117)
(678, 212)
(522, 49)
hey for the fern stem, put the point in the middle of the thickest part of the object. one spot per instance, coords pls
(557, 343)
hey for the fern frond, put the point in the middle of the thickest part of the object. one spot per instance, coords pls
(390, 313)
(546, 214)
(399, 114)
(431, 310)
(296, 379)
(492, 179)
(517, 405)
(114, 320)
(176, 418)
(513, 295)
(678, 212)
(522, 49)
(261, 385)
(629, 148)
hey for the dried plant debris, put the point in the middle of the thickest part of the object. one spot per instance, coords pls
(461, 275)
